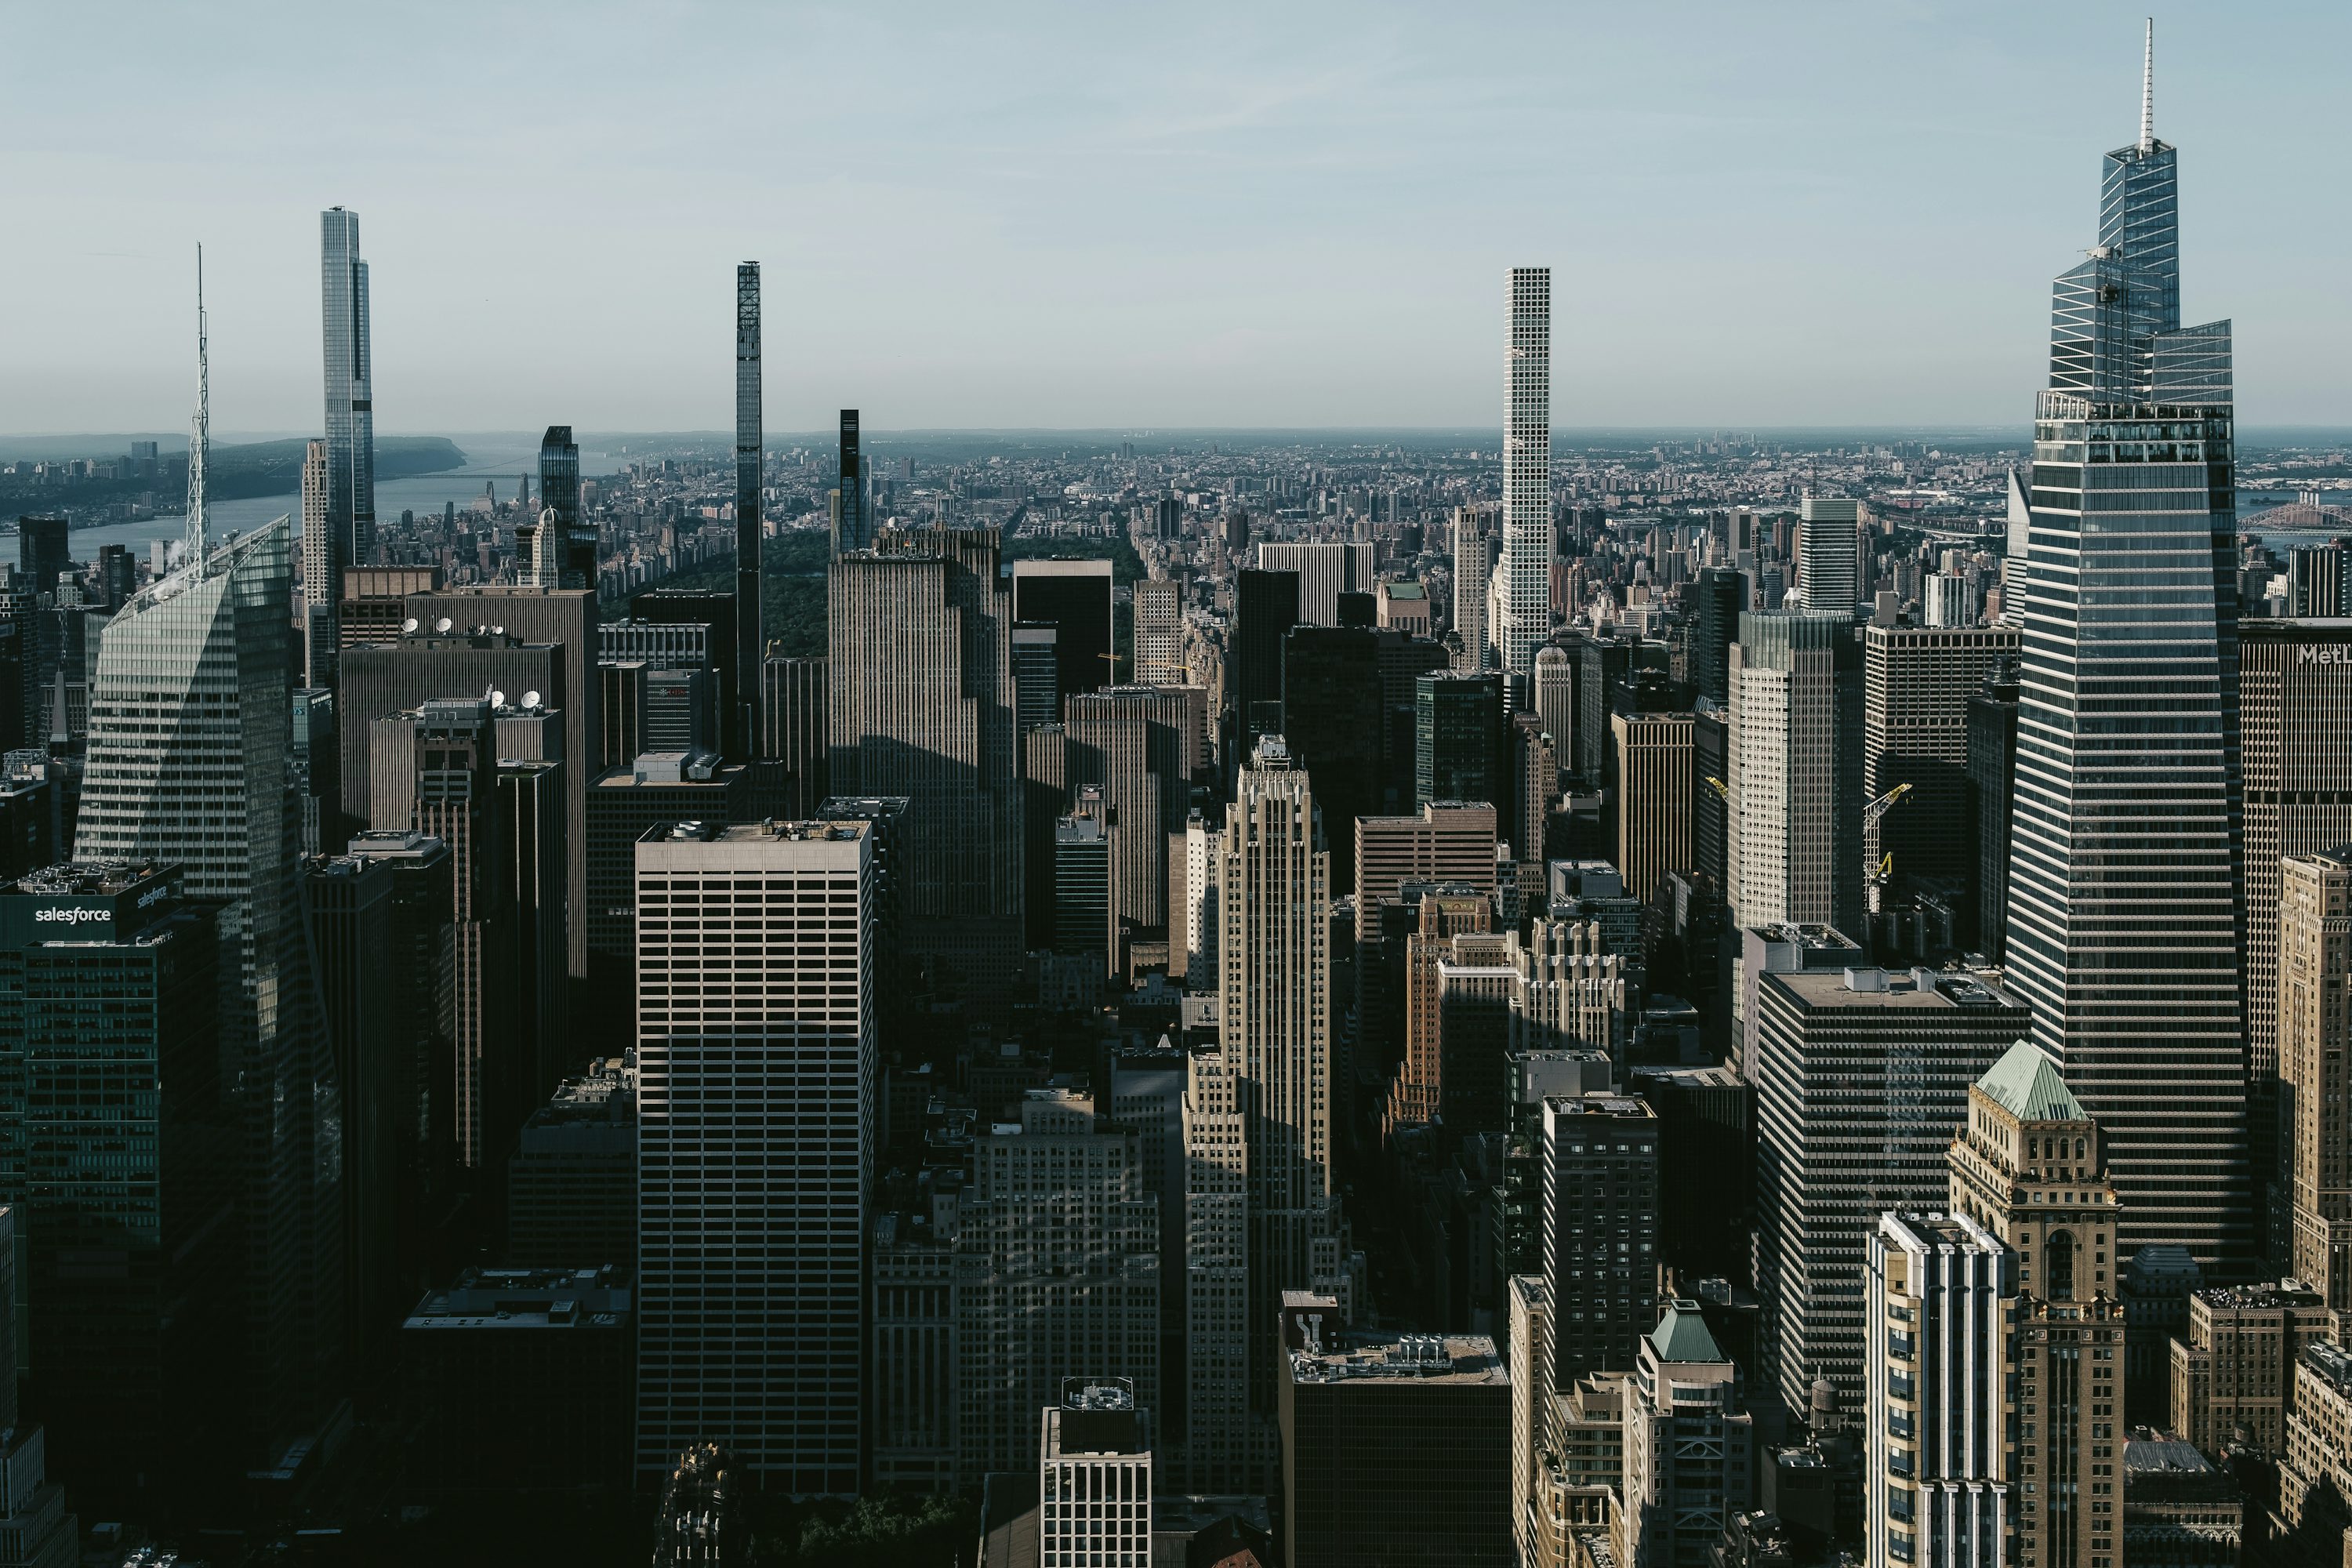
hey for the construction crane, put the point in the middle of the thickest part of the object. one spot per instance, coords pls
(1876, 873)
(1719, 787)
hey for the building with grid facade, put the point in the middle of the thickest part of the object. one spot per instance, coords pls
(1860, 1078)
(2313, 988)
(1094, 1477)
(755, 1104)
(1600, 1228)
(1524, 574)
(1916, 683)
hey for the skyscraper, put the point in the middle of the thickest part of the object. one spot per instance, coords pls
(1860, 1078)
(2295, 703)
(1159, 635)
(1273, 889)
(1326, 568)
(1600, 1158)
(2123, 934)
(574, 544)
(351, 409)
(1457, 741)
(188, 741)
(1266, 607)
(743, 723)
(1136, 742)
(1475, 547)
(1991, 727)
(1917, 684)
(2027, 1166)
(1656, 781)
(2314, 943)
(1942, 1368)
(1217, 1295)
(1526, 570)
(1795, 853)
(921, 706)
(323, 587)
(755, 1099)
(1825, 554)
(1074, 597)
(852, 522)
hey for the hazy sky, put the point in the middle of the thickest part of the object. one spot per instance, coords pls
(1135, 216)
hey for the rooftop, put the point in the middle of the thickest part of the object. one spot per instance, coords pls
(1424, 1358)
(2027, 1085)
(2256, 1298)
(1899, 991)
(90, 878)
(1681, 1335)
(528, 1298)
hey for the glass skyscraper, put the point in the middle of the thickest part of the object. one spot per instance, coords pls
(2123, 932)
(558, 492)
(349, 536)
(190, 721)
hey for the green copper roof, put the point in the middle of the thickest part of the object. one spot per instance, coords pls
(2028, 1086)
(1681, 1335)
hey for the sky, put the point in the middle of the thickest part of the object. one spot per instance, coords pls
(1142, 217)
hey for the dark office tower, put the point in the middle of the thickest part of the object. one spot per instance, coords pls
(1722, 594)
(39, 1531)
(622, 803)
(1916, 683)
(1600, 1175)
(350, 416)
(1403, 661)
(313, 763)
(1037, 676)
(1396, 1449)
(920, 705)
(1992, 787)
(117, 575)
(2294, 694)
(567, 618)
(572, 1186)
(1136, 741)
(108, 997)
(188, 763)
(1266, 607)
(792, 710)
(371, 992)
(42, 552)
(1074, 599)
(457, 767)
(716, 613)
(2123, 930)
(1711, 821)
(743, 694)
(558, 492)
(1331, 717)
(853, 525)
(19, 664)
(534, 800)
(434, 1221)
(1602, 665)
(1457, 741)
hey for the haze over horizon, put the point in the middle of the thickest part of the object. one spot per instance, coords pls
(1839, 216)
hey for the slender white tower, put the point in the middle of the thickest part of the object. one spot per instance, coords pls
(1524, 599)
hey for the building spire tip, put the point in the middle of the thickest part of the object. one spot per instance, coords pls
(2147, 92)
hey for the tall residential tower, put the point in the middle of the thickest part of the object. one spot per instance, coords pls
(350, 420)
(1524, 592)
(743, 725)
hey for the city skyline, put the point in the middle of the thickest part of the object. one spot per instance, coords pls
(1308, 247)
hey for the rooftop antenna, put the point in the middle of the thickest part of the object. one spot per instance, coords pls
(200, 433)
(2148, 93)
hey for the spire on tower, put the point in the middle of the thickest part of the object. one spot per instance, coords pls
(2147, 92)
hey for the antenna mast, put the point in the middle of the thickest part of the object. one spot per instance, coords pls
(200, 432)
(2148, 93)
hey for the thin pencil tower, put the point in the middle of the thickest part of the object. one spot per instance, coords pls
(200, 432)
(2147, 92)
(748, 646)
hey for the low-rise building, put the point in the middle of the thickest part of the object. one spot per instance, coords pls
(2179, 1510)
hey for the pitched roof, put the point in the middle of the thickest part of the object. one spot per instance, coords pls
(1681, 1335)
(2027, 1083)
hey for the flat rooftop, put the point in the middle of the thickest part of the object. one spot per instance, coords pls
(1409, 1358)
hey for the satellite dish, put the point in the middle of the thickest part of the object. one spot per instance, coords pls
(442, 625)
(530, 699)
(497, 631)
(409, 624)
(497, 697)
